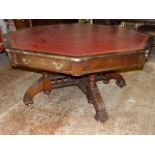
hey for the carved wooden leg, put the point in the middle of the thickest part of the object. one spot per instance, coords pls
(47, 85)
(94, 94)
(83, 86)
(120, 81)
(43, 84)
(89, 99)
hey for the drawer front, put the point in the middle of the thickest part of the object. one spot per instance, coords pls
(43, 63)
(114, 63)
(78, 68)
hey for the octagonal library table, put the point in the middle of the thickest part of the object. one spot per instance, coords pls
(80, 54)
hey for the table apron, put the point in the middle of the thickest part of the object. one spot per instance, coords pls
(114, 62)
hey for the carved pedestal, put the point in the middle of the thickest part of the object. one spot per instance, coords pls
(86, 83)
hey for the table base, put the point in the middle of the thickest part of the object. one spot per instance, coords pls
(86, 83)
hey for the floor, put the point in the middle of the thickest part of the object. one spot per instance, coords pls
(66, 111)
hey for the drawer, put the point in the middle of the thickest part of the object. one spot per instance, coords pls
(114, 63)
(43, 63)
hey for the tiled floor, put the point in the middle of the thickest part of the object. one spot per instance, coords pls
(66, 111)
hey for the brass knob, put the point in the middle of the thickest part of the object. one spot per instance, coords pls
(57, 66)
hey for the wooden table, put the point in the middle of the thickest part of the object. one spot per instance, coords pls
(81, 55)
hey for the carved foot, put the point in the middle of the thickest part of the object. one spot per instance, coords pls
(43, 84)
(120, 81)
(28, 101)
(101, 116)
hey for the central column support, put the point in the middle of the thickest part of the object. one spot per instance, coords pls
(88, 84)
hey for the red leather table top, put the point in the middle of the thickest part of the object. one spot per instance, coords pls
(77, 39)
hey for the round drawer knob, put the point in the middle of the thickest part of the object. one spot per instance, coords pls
(57, 66)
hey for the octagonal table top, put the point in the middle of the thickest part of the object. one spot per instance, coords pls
(77, 40)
